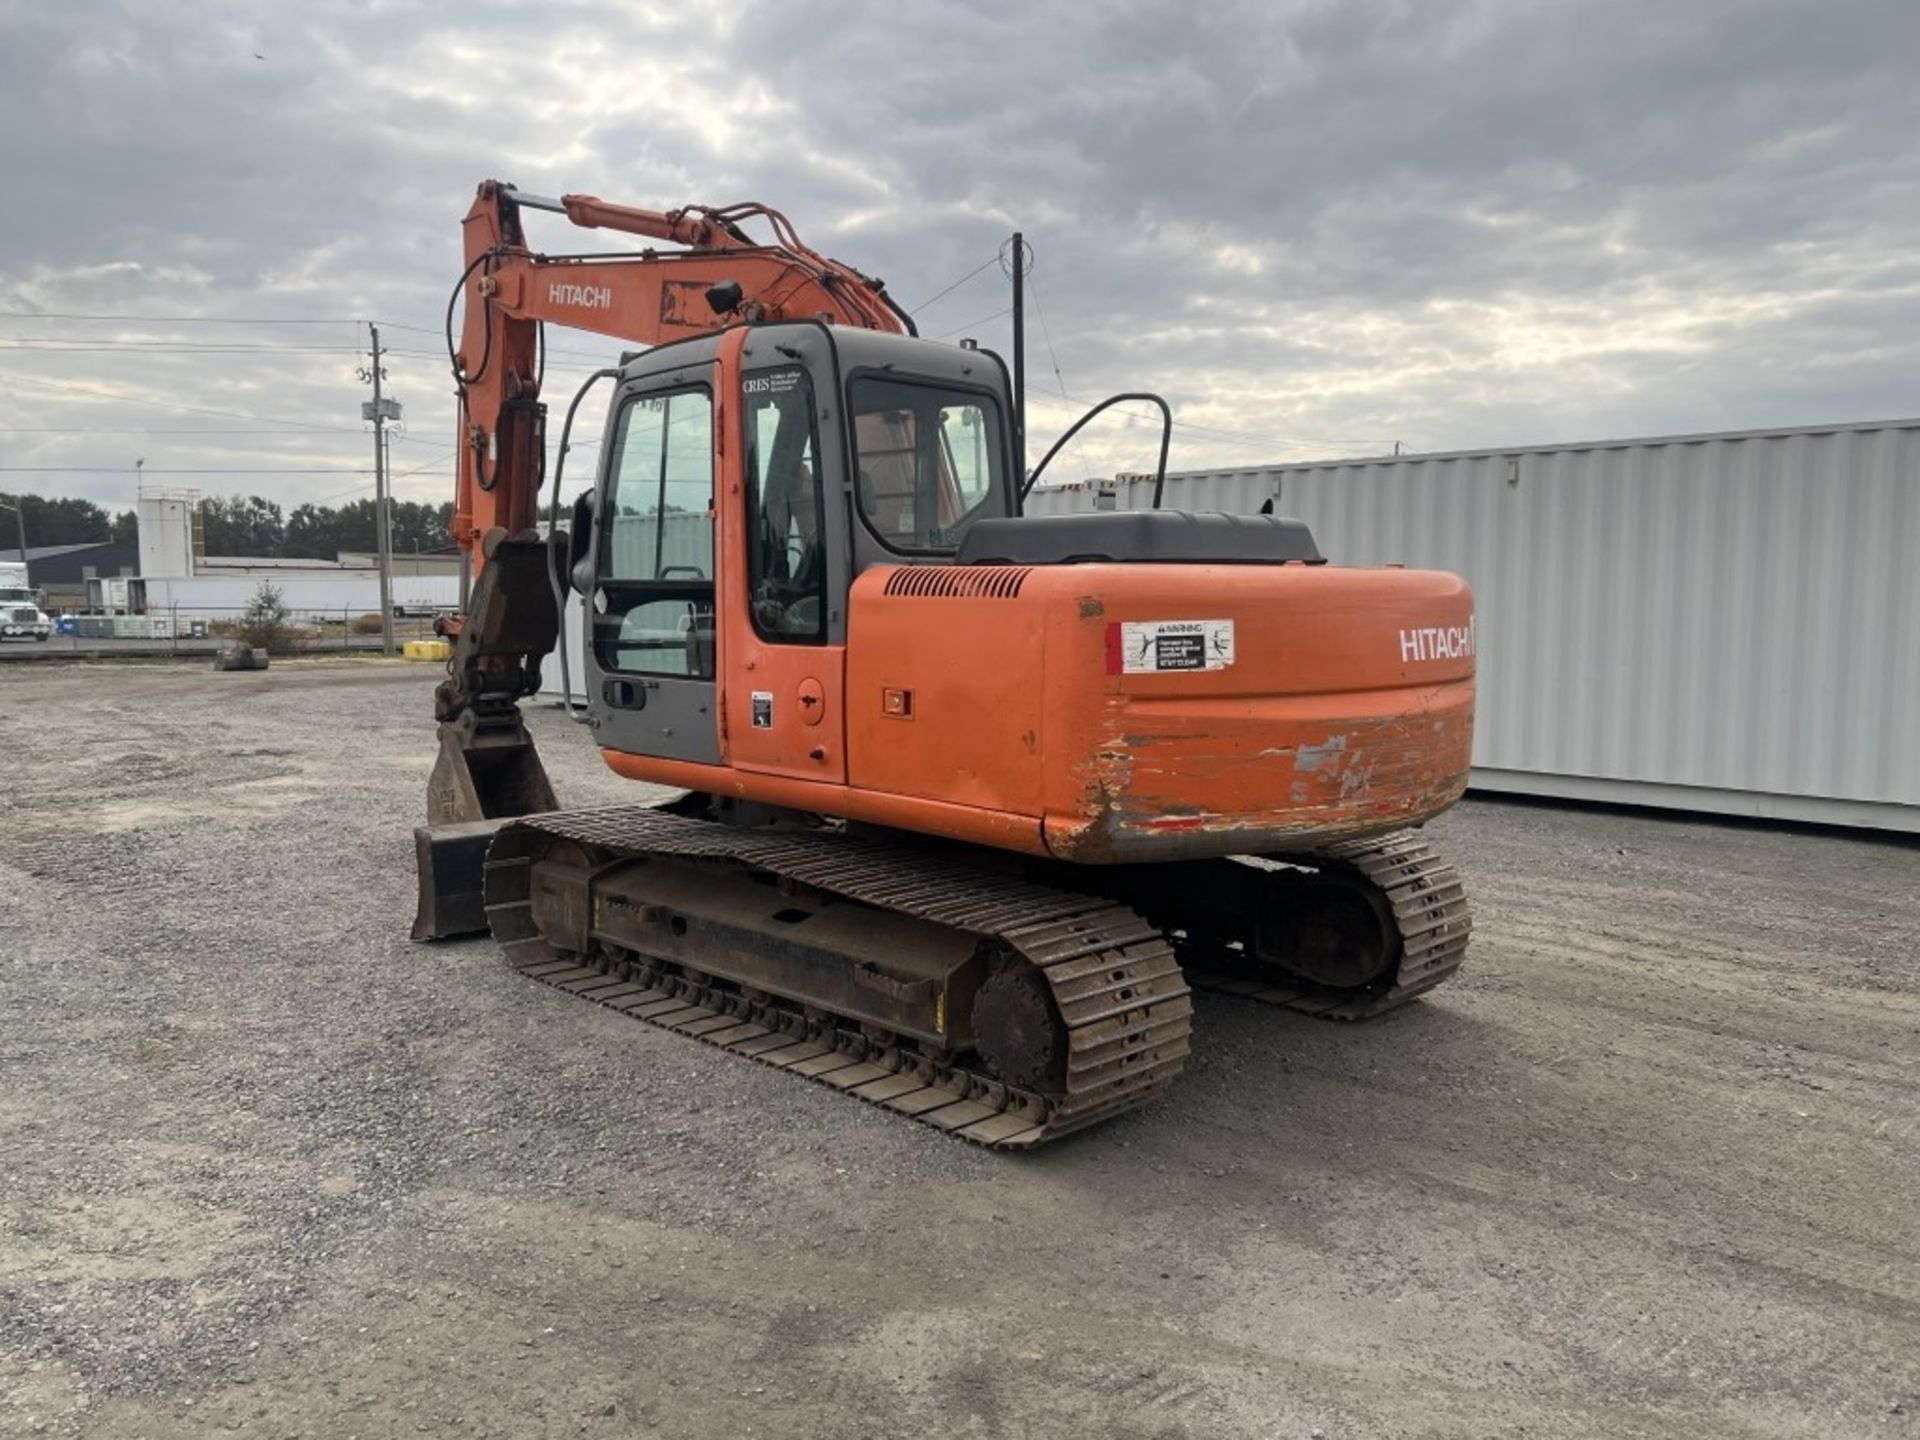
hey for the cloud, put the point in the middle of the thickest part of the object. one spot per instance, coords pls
(1319, 228)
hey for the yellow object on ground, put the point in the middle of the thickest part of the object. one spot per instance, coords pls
(427, 649)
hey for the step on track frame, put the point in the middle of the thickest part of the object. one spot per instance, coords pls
(1112, 976)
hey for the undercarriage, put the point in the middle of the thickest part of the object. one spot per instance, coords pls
(1007, 1001)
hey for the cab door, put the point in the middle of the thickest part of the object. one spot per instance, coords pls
(785, 634)
(650, 612)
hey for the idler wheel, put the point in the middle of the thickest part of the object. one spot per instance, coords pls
(1017, 1031)
(1329, 927)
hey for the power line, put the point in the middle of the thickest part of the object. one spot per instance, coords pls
(992, 259)
(168, 347)
(138, 343)
(1235, 437)
(142, 430)
(1059, 380)
(98, 345)
(329, 499)
(98, 394)
(151, 470)
(1045, 334)
(153, 434)
(238, 320)
(972, 323)
(184, 319)
(401, 475)
(59, 345)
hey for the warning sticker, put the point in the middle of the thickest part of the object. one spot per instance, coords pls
(763, 709)
(1152, 646)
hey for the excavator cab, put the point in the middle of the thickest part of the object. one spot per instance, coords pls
(841, 450)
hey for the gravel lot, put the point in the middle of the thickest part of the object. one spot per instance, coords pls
(1649, 1168)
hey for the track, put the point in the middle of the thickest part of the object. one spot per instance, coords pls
(1112, 977)
(1422, 893)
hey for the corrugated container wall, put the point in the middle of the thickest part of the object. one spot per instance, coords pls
(1727, 623)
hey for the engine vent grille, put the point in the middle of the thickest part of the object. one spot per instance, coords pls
(975, 582)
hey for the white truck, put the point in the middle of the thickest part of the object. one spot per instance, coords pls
(21, 617)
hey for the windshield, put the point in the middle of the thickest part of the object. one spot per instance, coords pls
(930, 461)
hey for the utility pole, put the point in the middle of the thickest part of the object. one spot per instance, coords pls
(1020, 352)
(20, 518)
(383, 536)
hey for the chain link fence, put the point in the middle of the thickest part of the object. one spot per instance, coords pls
(188, 629)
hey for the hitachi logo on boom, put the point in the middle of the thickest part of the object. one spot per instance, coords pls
(1438, 642)
(588, 297)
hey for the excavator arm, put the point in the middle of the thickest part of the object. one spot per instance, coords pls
(487, 769)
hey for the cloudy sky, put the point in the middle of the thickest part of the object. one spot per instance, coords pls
(1319, 227)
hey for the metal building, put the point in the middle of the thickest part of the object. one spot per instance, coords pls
(1726, 623)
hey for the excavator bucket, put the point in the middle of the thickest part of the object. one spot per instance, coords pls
(488, 771)
(480, 782)
(487, 774)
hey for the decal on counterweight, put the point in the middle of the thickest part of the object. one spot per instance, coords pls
(1153, 647)
(1440, 642)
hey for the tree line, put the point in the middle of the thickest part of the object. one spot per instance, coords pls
(250, 525)
(243, 525)
(60, 522)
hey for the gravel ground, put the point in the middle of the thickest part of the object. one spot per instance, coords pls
(1648, 1168)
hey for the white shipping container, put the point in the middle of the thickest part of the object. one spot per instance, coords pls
(1727, 623)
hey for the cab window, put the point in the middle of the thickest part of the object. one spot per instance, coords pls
(786, 554)
(930, 461)
(653, 600)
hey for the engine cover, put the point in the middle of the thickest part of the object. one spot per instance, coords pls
(1165, 711)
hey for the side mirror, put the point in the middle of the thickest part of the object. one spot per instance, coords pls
(580, 543)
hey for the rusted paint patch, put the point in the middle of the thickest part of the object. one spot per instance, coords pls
(1092, 607)
(1250, 787)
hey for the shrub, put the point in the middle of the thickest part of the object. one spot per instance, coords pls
(264, 625)
(365, 624)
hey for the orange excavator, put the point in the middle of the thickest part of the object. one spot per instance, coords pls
(965, 799)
